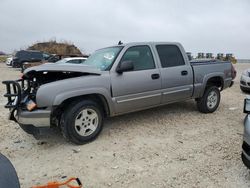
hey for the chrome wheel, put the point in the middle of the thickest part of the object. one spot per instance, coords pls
(212, 99)
(86, 122)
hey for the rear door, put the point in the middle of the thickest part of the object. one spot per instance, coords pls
(140, 88)
(176, 75)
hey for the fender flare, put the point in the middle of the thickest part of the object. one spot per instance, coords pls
(59, 99)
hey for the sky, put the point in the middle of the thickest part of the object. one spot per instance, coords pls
(199, 25)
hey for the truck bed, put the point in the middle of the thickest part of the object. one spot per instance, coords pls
(203, 69)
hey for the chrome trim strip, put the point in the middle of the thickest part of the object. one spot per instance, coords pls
(138, 98)
(175, 91)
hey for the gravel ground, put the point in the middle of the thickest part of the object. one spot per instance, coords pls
(170, 146)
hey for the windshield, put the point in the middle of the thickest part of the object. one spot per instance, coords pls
(104, 58)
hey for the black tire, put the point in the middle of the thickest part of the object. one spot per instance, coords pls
(72, 112)
(13, 65)
(245, 161)
(202, 102)
(244, 89)
(22, 68)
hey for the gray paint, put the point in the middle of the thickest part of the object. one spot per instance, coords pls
(63, 67)
(134, 90)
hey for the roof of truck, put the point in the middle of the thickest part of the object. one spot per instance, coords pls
(146, 43)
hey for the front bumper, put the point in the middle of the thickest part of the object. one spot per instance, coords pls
(33, 122)
(38, 118)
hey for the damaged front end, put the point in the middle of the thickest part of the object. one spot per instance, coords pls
(21, 97)
(36, 118)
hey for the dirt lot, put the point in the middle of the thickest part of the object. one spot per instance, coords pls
(170, 146)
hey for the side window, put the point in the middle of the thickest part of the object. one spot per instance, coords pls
(24, 55)
(36, 55)
(141, 57)
(170, 55)
(46, 56)
(74, 61)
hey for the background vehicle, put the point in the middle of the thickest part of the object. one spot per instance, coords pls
(245, 81)
(246, 136)
(9, 61)
(73, 60)
(113, 81)
(55, 59)
(23, 56)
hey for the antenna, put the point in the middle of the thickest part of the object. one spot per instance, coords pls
(120, 43)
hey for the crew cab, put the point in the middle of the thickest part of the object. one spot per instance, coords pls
(113, 81)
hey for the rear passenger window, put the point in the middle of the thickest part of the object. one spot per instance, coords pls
(170, 55)
(141, 57)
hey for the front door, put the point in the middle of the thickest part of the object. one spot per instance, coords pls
(140, 88)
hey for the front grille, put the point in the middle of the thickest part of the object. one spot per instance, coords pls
(246, 148)
(243, 83)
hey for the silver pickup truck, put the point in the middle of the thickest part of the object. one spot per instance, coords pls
(113, 81)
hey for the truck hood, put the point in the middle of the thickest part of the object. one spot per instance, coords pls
(53, 67)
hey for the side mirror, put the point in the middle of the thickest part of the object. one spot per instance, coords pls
(246, 106)
(125, 66)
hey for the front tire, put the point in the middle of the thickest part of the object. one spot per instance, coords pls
(82, 121)
(210, 100)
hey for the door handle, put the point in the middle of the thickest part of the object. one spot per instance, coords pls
(155, 76)
(184, 73)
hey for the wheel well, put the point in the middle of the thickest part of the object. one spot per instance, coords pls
(215, 81)
(99, 99)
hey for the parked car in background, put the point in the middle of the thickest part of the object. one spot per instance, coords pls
(246, 135)
(23, 56)
(72, 60)
(55, 59)
(113, 81)
(245, 81)
(9, 61)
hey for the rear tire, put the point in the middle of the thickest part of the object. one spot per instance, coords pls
(210, 100)
(82, 121)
